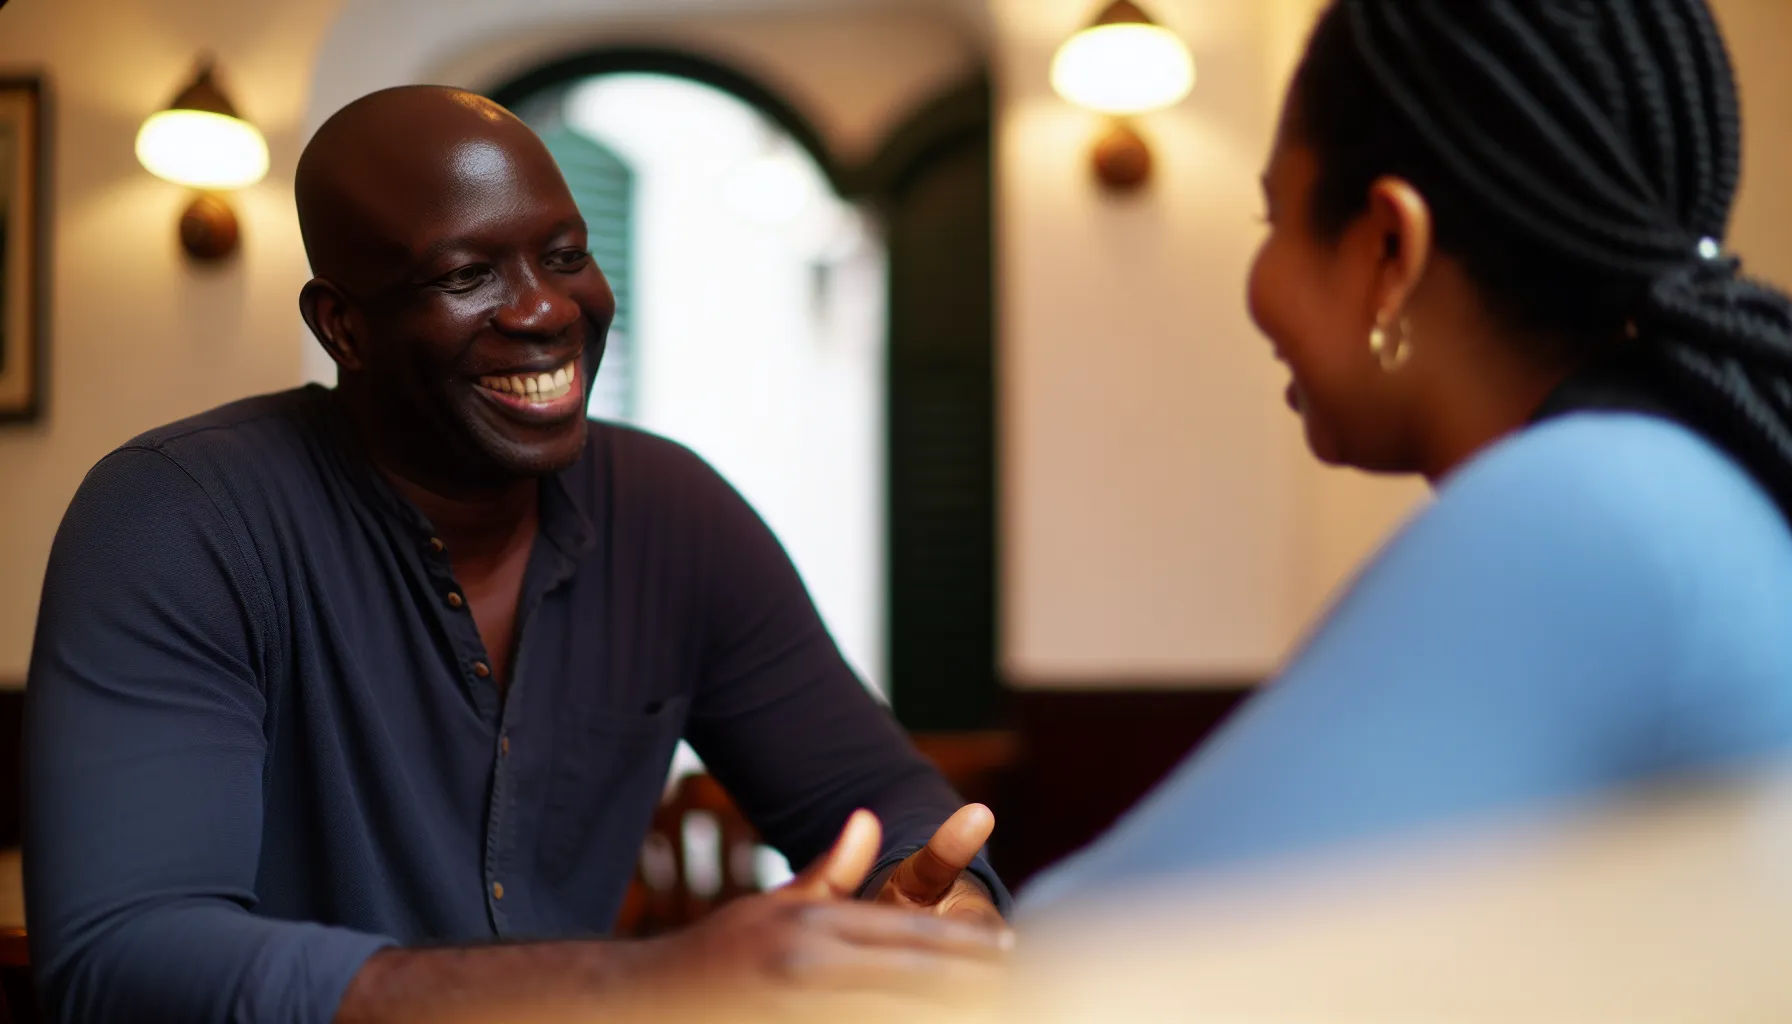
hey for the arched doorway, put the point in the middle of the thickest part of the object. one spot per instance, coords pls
(750, 315)
(906, 233)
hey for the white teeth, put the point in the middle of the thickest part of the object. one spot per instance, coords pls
(543, 387)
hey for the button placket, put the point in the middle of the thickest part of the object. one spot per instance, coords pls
(499, 843)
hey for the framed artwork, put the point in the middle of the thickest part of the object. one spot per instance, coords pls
(24, 163)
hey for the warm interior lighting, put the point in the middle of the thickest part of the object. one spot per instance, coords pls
(1123, 69)
(201, 149)
(1123, 64)
(200, 142)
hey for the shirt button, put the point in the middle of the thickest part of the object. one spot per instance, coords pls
(436, 545)
(503, 746)
(497, 890)
(454, 599)
(481, 669)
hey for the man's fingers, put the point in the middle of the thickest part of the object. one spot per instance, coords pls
(838, 873)
(867, 924)
(930, 873)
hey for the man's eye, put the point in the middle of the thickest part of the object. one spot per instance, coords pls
(569, 259)
(462, 280)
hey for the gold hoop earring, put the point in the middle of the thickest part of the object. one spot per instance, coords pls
(1392, 356)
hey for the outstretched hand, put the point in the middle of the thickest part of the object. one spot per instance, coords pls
(810, 939)
(934, 878)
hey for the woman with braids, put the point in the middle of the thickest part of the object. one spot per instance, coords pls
(1495, 257)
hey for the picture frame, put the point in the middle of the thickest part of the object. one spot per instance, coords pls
(24, 231)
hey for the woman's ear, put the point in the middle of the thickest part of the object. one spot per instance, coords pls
(1401, 219)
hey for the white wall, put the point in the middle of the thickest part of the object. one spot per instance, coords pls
(1150, 481)
(137, 338)
(1163, 523)
(853, 68)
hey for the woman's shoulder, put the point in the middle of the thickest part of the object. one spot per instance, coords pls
(1637, 514)
(1636, 517)
(1627, 477)
(1612, 546)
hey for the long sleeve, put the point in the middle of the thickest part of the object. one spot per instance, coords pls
(1593, 603)
(145, 758)
(782, 720)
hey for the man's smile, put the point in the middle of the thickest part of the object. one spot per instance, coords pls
(540, 395)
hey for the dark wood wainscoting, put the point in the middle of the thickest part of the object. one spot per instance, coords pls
(1085, 756)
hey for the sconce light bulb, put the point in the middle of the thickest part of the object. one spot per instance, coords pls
(201, 149)
(1123, 68)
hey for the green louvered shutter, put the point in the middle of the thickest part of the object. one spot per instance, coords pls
(604, 189)
(942, 440)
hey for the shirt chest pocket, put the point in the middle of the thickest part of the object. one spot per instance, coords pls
(608, 772)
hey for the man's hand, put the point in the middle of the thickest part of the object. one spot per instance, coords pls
(803, 953)
(782, 948)
(806, 952)
(934, 877)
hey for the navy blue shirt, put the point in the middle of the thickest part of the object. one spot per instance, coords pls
(262, 743)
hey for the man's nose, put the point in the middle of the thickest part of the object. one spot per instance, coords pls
(535, 307)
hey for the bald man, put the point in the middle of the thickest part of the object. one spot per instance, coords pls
(328, 677)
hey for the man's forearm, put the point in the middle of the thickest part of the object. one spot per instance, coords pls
(523, 982)
(766, 955)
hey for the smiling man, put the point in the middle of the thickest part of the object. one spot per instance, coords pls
(343, 699)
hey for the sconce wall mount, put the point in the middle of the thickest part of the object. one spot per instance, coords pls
(1123, 64)
(200, 141)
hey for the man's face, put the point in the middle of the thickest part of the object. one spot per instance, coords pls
(485, 334)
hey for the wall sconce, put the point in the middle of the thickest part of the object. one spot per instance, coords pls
(201, 143)
(1123, 64)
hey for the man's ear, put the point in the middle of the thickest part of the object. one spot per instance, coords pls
(1402, 220)
(326, 311)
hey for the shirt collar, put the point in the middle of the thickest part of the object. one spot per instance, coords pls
(564, 521)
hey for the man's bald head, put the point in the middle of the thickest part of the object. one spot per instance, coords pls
(383, 167)
(454, 286)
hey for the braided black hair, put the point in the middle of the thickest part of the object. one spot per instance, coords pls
(1580, 158)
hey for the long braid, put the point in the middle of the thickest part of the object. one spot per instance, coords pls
(1601, 137)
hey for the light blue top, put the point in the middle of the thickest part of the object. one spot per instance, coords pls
(1595, 601)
